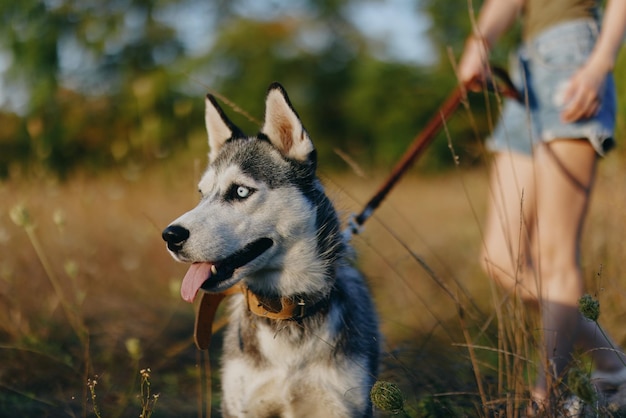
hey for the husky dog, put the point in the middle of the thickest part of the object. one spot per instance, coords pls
(302, 339)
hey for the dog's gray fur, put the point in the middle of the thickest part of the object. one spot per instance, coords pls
(265, 187)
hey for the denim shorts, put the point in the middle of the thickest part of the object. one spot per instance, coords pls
(541, 68)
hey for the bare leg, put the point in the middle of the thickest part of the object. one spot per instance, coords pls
(565, 172)
(511, 211)
(537, 209)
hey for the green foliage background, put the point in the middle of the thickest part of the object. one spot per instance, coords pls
(133, 92)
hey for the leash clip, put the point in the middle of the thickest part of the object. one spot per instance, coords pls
(353, 228)
(301, 304)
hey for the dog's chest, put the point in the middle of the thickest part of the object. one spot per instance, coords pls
(289, 373)
(291, 347)
(281, 344)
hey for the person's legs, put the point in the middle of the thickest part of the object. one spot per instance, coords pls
(531, 245)
(564, 171)
(510, 213)
(509, 232)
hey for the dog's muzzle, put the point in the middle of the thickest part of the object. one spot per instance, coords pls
(175, 236)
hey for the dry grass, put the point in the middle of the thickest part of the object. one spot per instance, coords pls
(444, 324)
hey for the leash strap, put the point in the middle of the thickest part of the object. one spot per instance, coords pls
(205, 314)
(498, 82)
(419, 144)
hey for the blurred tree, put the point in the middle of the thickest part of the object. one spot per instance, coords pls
(91, 84)
(81, 69)
(349, 100)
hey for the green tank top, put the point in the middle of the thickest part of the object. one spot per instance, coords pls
(541, 14)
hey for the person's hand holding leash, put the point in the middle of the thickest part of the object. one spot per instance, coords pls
(473, 66)
(495, 18)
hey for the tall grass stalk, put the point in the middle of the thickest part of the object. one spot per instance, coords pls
(91, 384)
(474, 361)
(21, 217)
(147, 398)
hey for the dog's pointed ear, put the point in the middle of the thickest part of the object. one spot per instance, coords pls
(283, 127)
(219, 128)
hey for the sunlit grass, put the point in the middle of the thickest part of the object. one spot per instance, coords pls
(87, 289)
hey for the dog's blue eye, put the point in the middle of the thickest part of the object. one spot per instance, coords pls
(243, 192)
(238, 192)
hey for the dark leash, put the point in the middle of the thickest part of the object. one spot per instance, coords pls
(500, 83)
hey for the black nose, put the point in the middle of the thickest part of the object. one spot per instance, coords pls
(175, 236)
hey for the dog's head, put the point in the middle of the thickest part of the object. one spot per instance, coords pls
(256, 217)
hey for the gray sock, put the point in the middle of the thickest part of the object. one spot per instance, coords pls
(560, 325)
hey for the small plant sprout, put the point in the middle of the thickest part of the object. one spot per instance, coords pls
(91, 384)
(589, 307)
(59, 218)
(148, 400)
(133, 346)
(387, 396)
(579, 382)
(20, 216)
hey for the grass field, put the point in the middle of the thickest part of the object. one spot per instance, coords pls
(88, 293)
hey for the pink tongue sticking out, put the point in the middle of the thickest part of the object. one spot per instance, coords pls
(197, 274)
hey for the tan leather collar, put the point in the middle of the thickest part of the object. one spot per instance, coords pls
(276, 308)
(282, 308)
